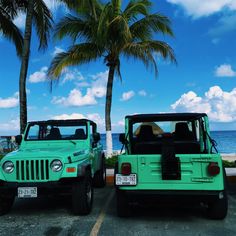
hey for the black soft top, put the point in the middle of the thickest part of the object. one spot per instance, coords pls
(62, 122)
(165, 117)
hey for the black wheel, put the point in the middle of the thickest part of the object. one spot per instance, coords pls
(82, 196)
(218, 209)
(122, 204)
(99, 179)
(115, 172)
(6, 202)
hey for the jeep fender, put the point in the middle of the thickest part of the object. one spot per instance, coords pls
(83, 168)
(101, 159)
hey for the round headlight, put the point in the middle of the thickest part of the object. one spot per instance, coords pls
(8, 167)
(56, 165)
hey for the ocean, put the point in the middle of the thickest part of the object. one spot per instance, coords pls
(226, 141)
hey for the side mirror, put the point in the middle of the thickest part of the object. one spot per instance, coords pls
(18, 139)
(122, 138)
(96, 137)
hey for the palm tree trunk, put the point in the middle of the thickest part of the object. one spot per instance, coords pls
(24, 66)
(108, 109)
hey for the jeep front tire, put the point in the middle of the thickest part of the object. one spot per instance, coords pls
(82, 196)
(99, 179)
(6, 202)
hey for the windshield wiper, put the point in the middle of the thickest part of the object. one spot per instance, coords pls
(72, 141)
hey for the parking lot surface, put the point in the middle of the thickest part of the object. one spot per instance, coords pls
(52, 216)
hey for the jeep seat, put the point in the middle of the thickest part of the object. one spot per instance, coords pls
(79, 134)
(182, 132)
(145, 134)
(54, 134)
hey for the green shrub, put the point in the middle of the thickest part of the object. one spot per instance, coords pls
(229, 164)
(110, 162)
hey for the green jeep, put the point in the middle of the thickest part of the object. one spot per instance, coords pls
(170, 156)
(54, 157)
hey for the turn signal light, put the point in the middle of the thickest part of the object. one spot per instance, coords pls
(213, 168)
(70, 169)
(125, 168)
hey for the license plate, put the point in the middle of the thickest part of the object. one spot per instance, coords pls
(126, 179)
(27, 192)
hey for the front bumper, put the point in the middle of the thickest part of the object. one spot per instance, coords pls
(43, 188)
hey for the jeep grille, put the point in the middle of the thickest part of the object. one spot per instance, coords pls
(32, 170)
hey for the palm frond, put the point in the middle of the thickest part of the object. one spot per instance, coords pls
(10, 31)
(103, 22)
(84, 6)
(154, 23)
(117, 69)
(76, 28)
(145, 52)
(76, 55)
(119, 31)
(43, 20)
(116, 6)
(134, 8)
(163, 48)
(13, 7)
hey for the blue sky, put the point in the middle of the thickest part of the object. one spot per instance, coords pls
(203, 81)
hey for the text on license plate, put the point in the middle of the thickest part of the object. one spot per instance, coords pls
(27, 192)
(126, 179)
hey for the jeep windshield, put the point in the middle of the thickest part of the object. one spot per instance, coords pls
(56, 130)
(148, 133)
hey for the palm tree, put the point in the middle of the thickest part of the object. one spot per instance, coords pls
(7, 28)
(38, 14)
(112, 34)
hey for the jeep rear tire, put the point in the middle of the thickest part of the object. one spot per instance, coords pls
(122, 205)
(217, 209)
(99, 179)
(6, 202)
(82, 196)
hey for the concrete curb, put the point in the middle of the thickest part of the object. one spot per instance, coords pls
(230, 174)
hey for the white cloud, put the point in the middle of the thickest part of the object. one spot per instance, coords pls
(121, 123)
(68, 116)
(19, 21)
(218, 104)
(99, 83)
(39, 76)
(11, 127)
(71, 75)
(191, 102)
(196, 8)
(57, 50)
(100, 76)
(142, 93)
(93, 116)
(53, 5)
(96, 118)
(82, 84)
(127, 95)
(96, 89)
(225, 70)
(10, 102)
(75, 98)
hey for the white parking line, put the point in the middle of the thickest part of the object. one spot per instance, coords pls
(100, 219)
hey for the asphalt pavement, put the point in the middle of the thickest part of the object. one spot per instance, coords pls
(52, 216)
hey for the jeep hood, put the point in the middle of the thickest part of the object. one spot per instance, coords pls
(44, 152)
